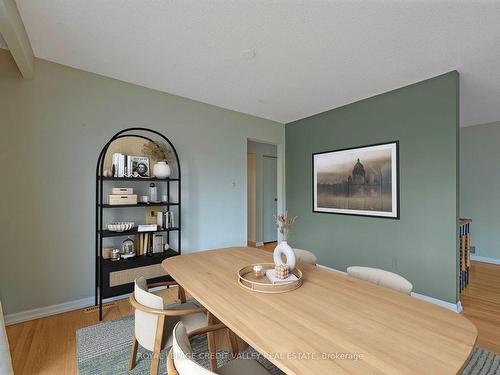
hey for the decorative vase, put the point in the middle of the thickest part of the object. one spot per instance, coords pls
(283, 249)
(161, 169)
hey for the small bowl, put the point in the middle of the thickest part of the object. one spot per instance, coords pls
(121, 226)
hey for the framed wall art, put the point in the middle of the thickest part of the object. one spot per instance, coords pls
(360, 181)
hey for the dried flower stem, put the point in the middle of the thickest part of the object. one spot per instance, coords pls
(284, 224)
(157, 151)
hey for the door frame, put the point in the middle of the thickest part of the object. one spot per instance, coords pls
(281, 193)
(263, 203)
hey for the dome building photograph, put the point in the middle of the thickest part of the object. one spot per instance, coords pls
(359, 181)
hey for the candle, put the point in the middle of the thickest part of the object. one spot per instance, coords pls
(257, 269)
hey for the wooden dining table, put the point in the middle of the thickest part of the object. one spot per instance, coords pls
(332, 324)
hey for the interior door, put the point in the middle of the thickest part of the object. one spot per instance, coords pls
(269, 198)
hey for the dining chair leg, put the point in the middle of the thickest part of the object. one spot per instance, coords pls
(155, 362)
(133, 355)
(212, 350)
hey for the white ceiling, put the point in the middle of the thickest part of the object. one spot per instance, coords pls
(305, 56)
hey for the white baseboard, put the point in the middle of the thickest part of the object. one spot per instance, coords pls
(331, 269)
(258, 244)
(456, 307)
(479, 258)
(42, 312)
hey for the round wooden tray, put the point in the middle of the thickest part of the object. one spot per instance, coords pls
(261, 284)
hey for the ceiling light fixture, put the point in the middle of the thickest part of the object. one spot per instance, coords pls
(248, 54)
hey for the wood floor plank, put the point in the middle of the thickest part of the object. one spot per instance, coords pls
(48, 345)
(481, 303)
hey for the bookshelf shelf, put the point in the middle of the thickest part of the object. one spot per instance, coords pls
(140, 179)
(160, 204)
(107, 233)
(138, 261)
(110, 266)
(105, 268)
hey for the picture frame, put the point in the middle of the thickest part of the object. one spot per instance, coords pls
(139, 166)
(360, 181)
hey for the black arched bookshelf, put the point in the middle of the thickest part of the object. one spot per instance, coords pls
(105, 267)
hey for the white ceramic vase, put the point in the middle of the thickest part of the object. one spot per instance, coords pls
(161, 170)
(283, 249)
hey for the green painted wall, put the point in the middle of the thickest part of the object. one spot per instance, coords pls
(480, 186)
(52, 130)
(422, 246)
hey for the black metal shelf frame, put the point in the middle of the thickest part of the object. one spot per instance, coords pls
(103, 267)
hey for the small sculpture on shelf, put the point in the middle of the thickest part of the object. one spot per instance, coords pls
(128, 248)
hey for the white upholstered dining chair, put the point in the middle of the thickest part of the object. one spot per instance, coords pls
(305, 256)
(180, 362)
(154, 321)
(381, 277)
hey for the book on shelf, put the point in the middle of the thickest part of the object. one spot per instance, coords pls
(145, 244)
(152, 214)
(271, 275)
(130, 166)
(147, 228)
(120, 166)
(158, 243)
(165, 219)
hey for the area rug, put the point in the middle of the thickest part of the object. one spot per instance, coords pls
(104, 349)
(482, 362)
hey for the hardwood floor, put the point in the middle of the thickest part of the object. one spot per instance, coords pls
(48, 346)
(269, 246)
(481, 304)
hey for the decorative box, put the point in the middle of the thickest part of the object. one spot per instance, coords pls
(122, 199)
(122, 191)
(106, 252)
